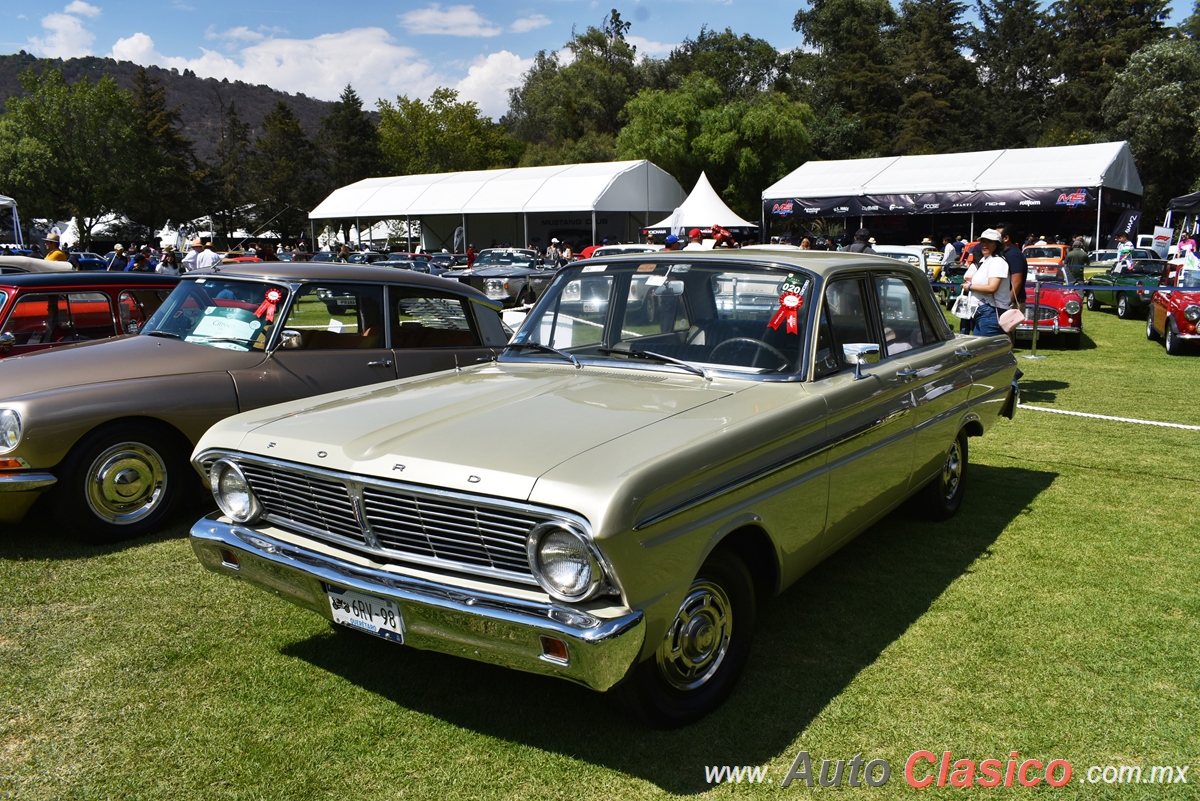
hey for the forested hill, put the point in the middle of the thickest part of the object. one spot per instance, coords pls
(201, 99)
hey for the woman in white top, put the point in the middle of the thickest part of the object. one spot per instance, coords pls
(990, 285)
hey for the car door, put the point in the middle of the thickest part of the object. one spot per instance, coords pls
(434, 330)
(335, 337)
(869, 427)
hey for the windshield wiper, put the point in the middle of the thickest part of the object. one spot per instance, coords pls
(545, 349)
(168, 334)
(660, 358)
(231, 339)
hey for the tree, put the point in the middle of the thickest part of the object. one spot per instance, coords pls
(851, 65)
(937, 84)
(228, 180)
(284, 169)
(67, 150)
(742, 66)
(742, 145)
(349, 142)
(163, 186)
(1152, 105)
(1014, 58)
(444, 135)
(1094, 40)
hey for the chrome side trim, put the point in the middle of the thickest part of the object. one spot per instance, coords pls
(26, 482)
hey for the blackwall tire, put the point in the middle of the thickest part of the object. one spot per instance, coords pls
(943, 496)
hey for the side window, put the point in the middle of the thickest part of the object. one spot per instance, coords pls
(136, 305)
(904, 326)
(91, 317)
(843, 322)
(331, 316)
(30, 319)
(425, 319)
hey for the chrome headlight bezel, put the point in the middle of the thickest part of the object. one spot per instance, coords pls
(11, 430)
(1072, 307)
(247, 511)
(1191, 313)
(569, 537)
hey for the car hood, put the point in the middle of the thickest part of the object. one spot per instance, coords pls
(493, 429)
(110, 360)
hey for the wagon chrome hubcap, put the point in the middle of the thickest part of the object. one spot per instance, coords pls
(952, 471)
(125, 483)
(697, 641)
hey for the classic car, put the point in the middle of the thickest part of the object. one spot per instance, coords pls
(604, 251)
(1101, 261)
(927, 260)
(512, 276)
(1135, 274)
(104, 428)
(39, 311)
(1174, 314)
(27, 264)
(1059, 311)
(1047, 261)
(677, 474)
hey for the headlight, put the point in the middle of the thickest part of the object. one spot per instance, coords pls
(563, 562)
(10, 430)
(233, 492)
(1192, 313)
(1072, 307)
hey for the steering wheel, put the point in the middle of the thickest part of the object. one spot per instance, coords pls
(784, 361)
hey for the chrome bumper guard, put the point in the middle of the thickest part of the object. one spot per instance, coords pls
(26, 482)
(437, 617)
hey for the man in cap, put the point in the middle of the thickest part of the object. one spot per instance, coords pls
(200, 257)
(695, 240)
(53, 251)
(119, 260)
(673, 242)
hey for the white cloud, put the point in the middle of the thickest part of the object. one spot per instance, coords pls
(451, 21)
(233, 36)
(489, 79)
(67, 38)
(530, 23)
(647, 47)
(366, 58)
(82, 9)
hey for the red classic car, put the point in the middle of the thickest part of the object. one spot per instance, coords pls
(42, 310)
(1175, 307)
(1059, 312)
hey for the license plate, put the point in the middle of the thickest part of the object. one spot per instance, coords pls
(591, 306)
(374, 615)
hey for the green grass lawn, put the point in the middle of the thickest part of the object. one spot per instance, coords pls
(1058, 615)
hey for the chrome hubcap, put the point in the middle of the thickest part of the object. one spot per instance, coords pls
(952, 471)
(125, 483)
(697, 641)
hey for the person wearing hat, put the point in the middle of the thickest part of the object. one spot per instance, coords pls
(695, 240)
(200, 257)
(169, 263)
(990, 285)
(554, 256)
(119, 260)
(673, 242)
(53, 251)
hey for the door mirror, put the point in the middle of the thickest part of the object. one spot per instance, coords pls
(7, 340)
(860, 353)
(289, 339)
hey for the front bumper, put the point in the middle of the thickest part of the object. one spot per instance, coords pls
(438, 617)
(1025, 329)
(18, 491)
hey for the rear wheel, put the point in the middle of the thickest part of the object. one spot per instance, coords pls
(1092, 303)
(119, 482)
(699, 659)
(944, 494)
(1124, 307)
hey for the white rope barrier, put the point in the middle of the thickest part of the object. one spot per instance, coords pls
(1106, 417)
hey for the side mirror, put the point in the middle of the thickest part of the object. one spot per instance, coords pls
(289, 339)
(860, 353)
(7, 340)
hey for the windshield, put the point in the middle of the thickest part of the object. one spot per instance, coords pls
(1189, 278)
(1145, 268)
(220, 312)
(698, 317)
(1043, 253)
(507, 258)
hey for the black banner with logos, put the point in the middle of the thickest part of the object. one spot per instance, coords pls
(941, 203)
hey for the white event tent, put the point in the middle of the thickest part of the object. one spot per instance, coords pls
(702, 209)
(578, 203)
(1099, 176)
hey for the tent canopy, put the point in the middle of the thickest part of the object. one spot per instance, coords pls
(948, 182)
(7, 202)
(1188, 204)
(614, 186)
(702, 209)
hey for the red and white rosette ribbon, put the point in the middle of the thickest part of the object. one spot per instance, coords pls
(789, 308)
(272, 297)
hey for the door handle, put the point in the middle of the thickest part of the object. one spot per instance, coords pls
(907, 375)
(380, 363)
(966, 354)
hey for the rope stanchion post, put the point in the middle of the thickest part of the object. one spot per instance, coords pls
(1037, 312)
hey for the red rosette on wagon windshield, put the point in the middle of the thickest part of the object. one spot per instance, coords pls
(270, 300)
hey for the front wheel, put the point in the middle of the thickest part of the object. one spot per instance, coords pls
(119, 482)
(1172, 341)
(1151, 334)
(944, 494)
(699, 659)
(1090, 299)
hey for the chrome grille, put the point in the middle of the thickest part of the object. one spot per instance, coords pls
(1044, 312)
(316, 504)
(448, 530)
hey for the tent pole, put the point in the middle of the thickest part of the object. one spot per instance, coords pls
(1099, 205)
(525, 222)
(464, 223)
(358, 232)
(593, 227)
(972, 226)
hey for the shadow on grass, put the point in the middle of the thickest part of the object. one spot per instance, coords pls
(811, 643)
(37, 537)
(1041, 391)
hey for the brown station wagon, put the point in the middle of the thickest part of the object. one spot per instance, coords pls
(105, 428)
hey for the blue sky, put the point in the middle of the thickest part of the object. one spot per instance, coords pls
(383, 49)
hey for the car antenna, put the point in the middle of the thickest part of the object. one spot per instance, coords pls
(457, 369)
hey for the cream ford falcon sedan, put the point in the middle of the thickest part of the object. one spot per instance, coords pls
(660, 480)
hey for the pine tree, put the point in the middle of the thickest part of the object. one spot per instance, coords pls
(164, 186)
(1014, 54)
(937, 83)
